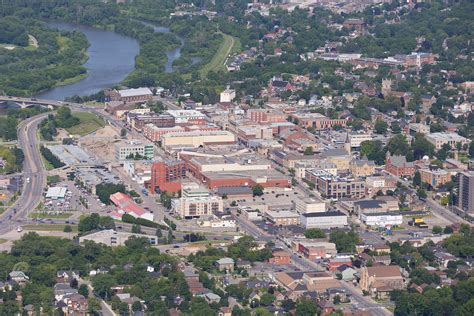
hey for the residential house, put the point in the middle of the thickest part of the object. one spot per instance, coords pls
(225, 264)
(19, 277)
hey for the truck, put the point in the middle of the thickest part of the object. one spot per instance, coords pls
(418, 222)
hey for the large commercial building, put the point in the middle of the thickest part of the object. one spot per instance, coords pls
(130, 95)
(197, 139)
(282, 218)
(336, 187)
(188, 117)
(382, 219)
(441, 138)
(196, 201)
(266, 115)
(354, 140)
(126, 150)
(167, 176)
(331, 219)
(138, 121)
(309, 205)
(466, 191)
(154, 133)
(316, 121)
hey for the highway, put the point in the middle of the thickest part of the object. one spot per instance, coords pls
(34, 175)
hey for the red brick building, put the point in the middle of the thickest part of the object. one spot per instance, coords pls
(398, 165)
(280, 257)
(356, 24)
(166, 176)
(334, 263)
(266, 116)
(312, 253)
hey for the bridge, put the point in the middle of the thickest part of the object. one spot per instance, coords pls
(26, 102)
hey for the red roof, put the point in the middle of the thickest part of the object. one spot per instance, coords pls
(126, 204)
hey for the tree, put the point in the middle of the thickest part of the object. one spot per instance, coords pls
(67, 229)
(421, 193)
(373, 150)
(380, 127)
(158, 233)
(257, 190)
(83, 290)
(314, 233)
(395, 127)
(102, 284)
(136, 229)
(266, 299)
(398, 145)
(417, 178)
(337, 300)
(448, 230)
(137, 306)
(199, 307)
(170, 236)
(123, 132)
(309, 151)
(306, 307)
(105, 190)
(345, 242)
(437, 229)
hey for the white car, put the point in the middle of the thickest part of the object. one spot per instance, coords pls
(19, 229)
(27, 180)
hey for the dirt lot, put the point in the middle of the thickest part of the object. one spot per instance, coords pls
(101, 143)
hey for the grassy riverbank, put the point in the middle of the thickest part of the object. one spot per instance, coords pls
(217, 62)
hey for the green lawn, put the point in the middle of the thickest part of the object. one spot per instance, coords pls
(217, 62)
(89, 122)
(2, 241)
(47, 164)
(49, 227)
(42, 215)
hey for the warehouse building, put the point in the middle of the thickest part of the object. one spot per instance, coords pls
(331, 219)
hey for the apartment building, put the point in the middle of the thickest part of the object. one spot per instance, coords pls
(196, 201)
(434, 177)
(466, 191)
(167, 176)
(316, 121)
(338, 187)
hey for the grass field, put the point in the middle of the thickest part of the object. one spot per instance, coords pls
(49, 227)
(2, 241)
(217, 62)
(47, 164)
(42, 215)
(89, 123)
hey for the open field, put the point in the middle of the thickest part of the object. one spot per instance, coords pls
(48, 227)
(89, 123)
(217, 62)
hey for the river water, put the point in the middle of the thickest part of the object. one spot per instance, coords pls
(111, 59)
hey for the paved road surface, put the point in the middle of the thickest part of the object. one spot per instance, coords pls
(34, 175)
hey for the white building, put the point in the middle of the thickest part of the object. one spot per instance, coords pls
(356, 139)
(187, 116)
(56, 193)
(382, 219)
(309, 205)
(331, 219)
(139, 171)
(441, 138)
(250, 214)
(196, 201)
(123, 150)
(228, 95)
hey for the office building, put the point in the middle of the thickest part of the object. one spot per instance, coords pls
(309, 205)
(128, 150)
(167, 176)
(466, 191)
(197, 138)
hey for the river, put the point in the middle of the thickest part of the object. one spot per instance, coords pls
(173, 54)
(111, 59)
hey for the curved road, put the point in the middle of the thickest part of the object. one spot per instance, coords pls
(34, 175)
